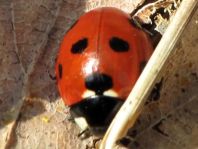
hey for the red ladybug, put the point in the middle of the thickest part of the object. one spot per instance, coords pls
(99, 61)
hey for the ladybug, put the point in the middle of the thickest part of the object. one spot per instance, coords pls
(99, 61)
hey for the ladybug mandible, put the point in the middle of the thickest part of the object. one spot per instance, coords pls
(99, 61)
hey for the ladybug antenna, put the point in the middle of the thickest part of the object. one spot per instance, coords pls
(136, 23)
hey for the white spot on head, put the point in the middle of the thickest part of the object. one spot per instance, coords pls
(111, 93)
(88, 93)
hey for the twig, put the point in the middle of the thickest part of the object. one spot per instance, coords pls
(131, 109)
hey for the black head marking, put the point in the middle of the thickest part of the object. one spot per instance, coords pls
(118, 44)
(60, 70)
(79, 46)
(98, 82)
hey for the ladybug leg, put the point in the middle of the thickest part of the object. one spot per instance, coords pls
(70, 119)
(51, 76)
(84, 134)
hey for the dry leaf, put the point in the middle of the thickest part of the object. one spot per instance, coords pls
(30, 35)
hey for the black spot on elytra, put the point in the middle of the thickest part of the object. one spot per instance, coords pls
(118, 44)
(60, 70)
(98, 82)
(79, 46)
(157, 128)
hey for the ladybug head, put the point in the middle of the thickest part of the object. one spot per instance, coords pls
(100, 103)
(98, 64)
